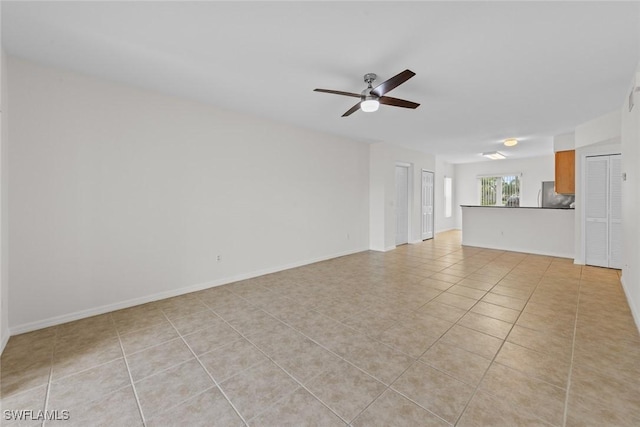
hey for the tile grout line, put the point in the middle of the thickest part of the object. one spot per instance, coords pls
(417, 360)
(282, 368)
(48, 393)
(573, 346)
(454, 323)
(387, 386)
(206, 370)
(475, 391)
(126, 363)
(330, 351)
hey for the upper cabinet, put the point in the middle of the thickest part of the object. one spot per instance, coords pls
(566, 172)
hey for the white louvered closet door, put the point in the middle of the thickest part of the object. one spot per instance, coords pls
(615, 211)
(603, 211)
(597, 211)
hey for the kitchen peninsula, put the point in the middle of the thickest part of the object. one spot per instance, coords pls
(543, 231)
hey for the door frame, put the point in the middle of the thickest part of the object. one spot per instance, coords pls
(409, 168)
(433, 204)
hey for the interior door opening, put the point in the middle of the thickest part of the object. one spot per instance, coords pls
(402, 205)
(427, 205)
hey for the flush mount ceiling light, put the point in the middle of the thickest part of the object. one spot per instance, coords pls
(510, 142)
(494, 155)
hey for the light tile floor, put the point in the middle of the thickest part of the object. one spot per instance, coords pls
(428, 334)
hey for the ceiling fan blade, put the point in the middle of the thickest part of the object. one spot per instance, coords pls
(395, 102)
(392, 83)
(338, 92)
(352, 110)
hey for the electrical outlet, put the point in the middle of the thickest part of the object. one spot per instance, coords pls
(219, 258)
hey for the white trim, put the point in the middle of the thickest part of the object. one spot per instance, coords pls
(583, 212)
(524, 251)
(634, 310)
(4, 341)
(446, 229)
(433, 203)
(495, 175)
(409, 168)
(57, 320)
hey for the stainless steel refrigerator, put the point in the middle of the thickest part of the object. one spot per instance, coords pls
(550, 199)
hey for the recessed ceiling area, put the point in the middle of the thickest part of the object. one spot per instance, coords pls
(485, 71)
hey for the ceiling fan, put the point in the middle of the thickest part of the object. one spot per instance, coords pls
(371, 98)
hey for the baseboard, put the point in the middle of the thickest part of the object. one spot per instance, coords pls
(4, 340)
(57, 320)
(522, 250)
(382, 249)
(444, 230)
(632, 306)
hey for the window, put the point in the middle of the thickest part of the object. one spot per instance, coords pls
(447, 197)
(500, 190)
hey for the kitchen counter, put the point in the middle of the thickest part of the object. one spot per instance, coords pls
(543, 231)
(512, 207)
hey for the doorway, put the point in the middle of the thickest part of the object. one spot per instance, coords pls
(402, 205)
(427, 205)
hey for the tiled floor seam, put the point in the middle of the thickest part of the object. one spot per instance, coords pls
(333, 353)
(417, 360)
(475, 391)
(46, 397)
(216, 384)
(287, 372)
(133, 387)
(573, 345)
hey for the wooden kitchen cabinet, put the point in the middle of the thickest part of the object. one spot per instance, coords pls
(566, 172)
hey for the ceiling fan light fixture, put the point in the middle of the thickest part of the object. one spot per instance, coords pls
(510, 142)
(369, 105)
(494, 155)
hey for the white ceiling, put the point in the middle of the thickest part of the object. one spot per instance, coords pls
(486, 71)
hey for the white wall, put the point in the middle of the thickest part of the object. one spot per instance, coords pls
(603, 129)
(631, 202)
(383, 158)
(534, 170)
(444, 169)
(120, 195)
(564, 142)
(536, 231)
(4, 235)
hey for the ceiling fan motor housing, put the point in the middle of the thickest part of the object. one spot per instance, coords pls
(369, 78)
(366, 94)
